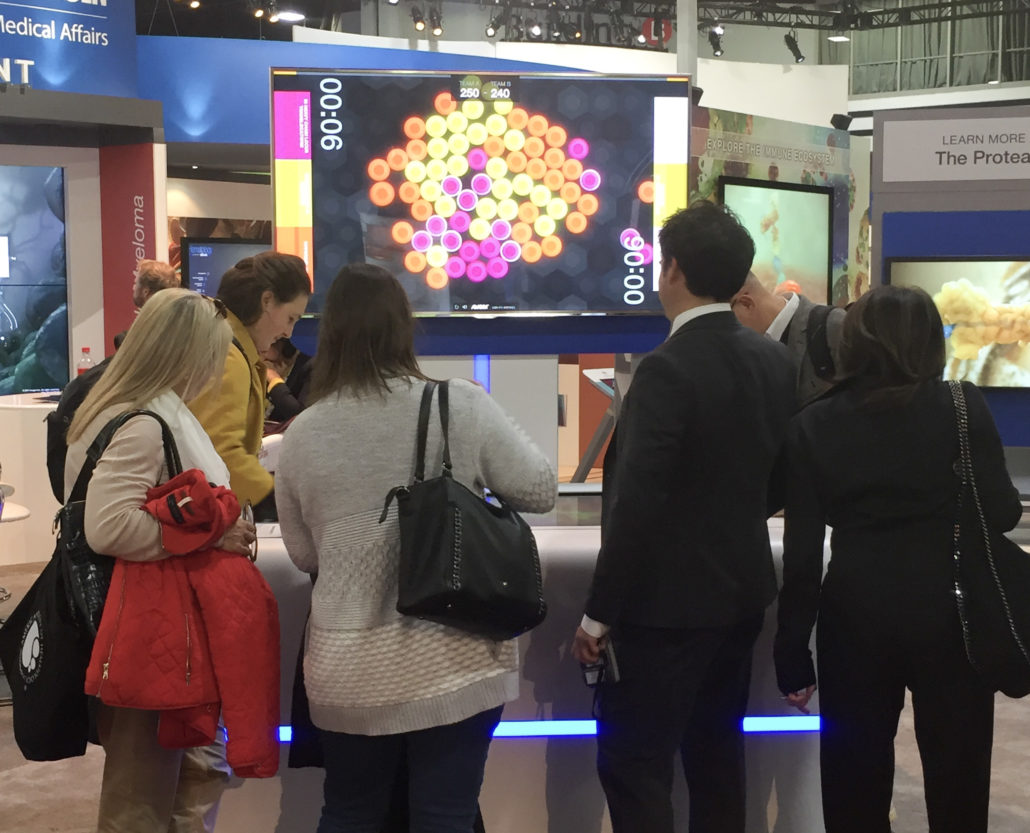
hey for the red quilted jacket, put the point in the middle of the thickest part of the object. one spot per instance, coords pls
(195, 635)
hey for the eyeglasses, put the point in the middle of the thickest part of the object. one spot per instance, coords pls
(220, 309)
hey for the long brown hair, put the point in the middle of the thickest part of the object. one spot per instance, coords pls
(367, 334)
(244, 285)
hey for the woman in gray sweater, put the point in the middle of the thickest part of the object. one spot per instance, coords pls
(386, 688)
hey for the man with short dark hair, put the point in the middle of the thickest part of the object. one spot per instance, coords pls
(685, 570)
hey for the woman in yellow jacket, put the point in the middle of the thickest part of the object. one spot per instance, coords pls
(265, 296)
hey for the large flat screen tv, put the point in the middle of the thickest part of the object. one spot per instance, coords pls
(483, 194)
(792, 226)
(985, 305)
(206, 259)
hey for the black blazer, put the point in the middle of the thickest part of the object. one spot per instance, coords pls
(884, 479)
(684, 540)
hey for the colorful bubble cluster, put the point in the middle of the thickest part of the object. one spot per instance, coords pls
(486, 184)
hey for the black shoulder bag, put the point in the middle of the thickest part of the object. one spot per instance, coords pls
(464, 562)
(992, 582)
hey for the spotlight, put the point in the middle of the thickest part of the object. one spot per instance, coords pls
(640, 38)
(194, 4)
(259, 12)
(840, 121)
(291, 17)
(393, 2)
(273, 11)
(417, 19)
(838, 37)
(791, 39)
(715, 40)
(535, 29)
(436, 21)
(493, 26)
(572, 31)
(719, 29)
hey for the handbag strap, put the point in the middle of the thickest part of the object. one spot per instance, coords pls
(423, 429)
(444, 420)
(968, 476)
(97, 447)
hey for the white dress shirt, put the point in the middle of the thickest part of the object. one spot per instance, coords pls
(782, 320)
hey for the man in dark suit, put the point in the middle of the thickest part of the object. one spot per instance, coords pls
(685, 569)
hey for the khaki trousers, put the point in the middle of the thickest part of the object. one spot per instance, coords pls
(149, 789)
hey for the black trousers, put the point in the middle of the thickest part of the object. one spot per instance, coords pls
(680, 690)
(875, 638)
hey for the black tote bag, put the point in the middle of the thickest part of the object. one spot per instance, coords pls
(464, 562)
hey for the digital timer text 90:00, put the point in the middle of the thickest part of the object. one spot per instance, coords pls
(329, 104)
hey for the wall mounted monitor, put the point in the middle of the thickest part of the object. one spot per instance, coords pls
(985, 305)
(206, 259)
(792, 226)
(484, 194)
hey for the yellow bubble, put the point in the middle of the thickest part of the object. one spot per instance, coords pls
(501, 188)
(458, 144)
(436, 169)
(458, 165)
(496, 167)
(431, 190)
(544, 225)
(415, 171)
(445, 206)
(436, 125)
(486, 208)
(479, 229)
(540, 196)
(437, 148)
(472, 109)
(436, 256)
(522, 184)
(557, 208)
(514, 139)
(507, 210)
(496, 125)
(503, 107)
(476, 133)
(457, 122)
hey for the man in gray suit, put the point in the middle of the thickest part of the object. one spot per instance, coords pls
(810, 331)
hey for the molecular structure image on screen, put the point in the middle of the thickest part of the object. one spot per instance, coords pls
(486, 185)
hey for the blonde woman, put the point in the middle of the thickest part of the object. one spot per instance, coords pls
(169, 356)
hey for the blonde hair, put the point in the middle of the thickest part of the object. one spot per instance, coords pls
(178, 342)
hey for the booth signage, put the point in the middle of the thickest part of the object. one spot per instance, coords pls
(76, 46)
(956, 149)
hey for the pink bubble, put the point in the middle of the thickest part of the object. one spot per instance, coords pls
(421, 241)
(455, 267)
(476, 271)
(497, 267)
(451, 185)
(631, 239)
(490, 247)
(469, 250)
(451, 240)
(578, 148)
(511, 251)
(647, 252)
(477, 159)
(436, 225)
(467, 200)
(590, 180)
(501, 229)
(460, 221)
(481, 184)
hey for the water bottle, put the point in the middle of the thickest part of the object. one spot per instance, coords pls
(85, 362)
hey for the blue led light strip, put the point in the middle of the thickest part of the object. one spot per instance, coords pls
(581, 728)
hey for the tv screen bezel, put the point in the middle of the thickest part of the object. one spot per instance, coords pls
(776, 185)
(186, 242)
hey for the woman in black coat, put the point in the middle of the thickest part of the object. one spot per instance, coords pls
(875, 460)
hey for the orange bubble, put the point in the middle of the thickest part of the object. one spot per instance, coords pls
(534, 147)
(436, 278)
(381, 194)
(587, 204)
(414, 262)
(516, 161)
(415, 128)
(572, 168)
(554, 157)
(576, 222)
(408, 192)
(522, 232)
(421, 210)
(531, 252)
(518, 118)
(556, 136)
(397, 159)
(378, 170)
(445, 103)
(494, 146)
(551, 246)
(417, 150)
(554, 180)
(528, 212)
(537, 126)
(646, 191)
(569, 192)
(402, 232)
(536, 168)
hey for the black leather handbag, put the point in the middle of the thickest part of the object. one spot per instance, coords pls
(465, 562)
(992, 582)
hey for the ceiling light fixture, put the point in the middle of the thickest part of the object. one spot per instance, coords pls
(791, 39)
(715, 40)
(417, 19)
(535, 29)
(291, 17)
(194, 4)
(495, 23)
(436, 21)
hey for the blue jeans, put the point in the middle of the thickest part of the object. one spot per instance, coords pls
(445, 771)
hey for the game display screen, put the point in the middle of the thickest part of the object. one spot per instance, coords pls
(985, 306)
(498, 193)
(206, 259)
(792, 226)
